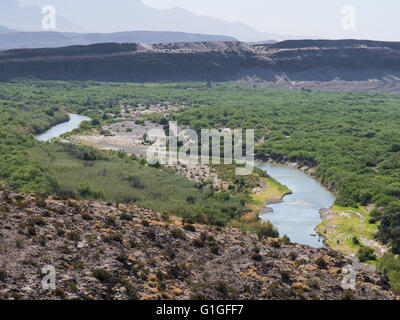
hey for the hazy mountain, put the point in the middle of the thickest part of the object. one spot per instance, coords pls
(128, 15)
(262, 42)
(18, 40)
(4, 30)
(29, 18)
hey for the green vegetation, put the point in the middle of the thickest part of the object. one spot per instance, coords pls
(365, 254)
(351, 138)
(273, 192)
(73, 171)
(116, 177)
(344, 230)
(389, 265)
(390, 226)
(102, 275)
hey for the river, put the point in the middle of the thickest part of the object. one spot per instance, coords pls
(298, 214)
(59, 129)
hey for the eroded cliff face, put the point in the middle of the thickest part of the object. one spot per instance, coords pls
(104, 251)
(290, 61)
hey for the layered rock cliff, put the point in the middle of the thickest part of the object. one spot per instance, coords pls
(297, 60)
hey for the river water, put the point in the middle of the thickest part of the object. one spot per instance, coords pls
(59, 129)
(298, 214)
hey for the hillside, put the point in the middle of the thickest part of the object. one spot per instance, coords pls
(11, 39)
(108, 251)
(123, 15)
(290, 62)
(4, 30)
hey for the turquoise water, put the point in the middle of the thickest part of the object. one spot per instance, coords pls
(298, 214)
(59, 129)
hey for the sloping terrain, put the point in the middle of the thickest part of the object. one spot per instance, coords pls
(11, 39)
(105, 251)
(293, 62)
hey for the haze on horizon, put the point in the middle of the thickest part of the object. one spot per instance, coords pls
(254, 20)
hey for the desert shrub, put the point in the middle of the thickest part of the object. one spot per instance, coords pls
(125, 216)
(293, 255)
(178, 234)
(59, 292)
(389, 265)
(355, 241)
(3, 274)
(189, 227)
(365, 254)
(86, 191)
(321, 263)
(145, 223)
(348, 295)
(110, 221)
(198, 242)
(285, 275)
(133, 243)
(37, 220)
(312, 283)
(130, 290)
(84, 153)
(285, 239)
(102, 275)
(41, 202)
(169, 253)
(19, 241)
(72, 286)
(261, 229)
(86, 216)
(31, 230)
(73, 235)
(222, 288)
(214, 247)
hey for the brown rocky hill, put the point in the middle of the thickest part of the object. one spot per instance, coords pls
(105, 251)
(296, 60)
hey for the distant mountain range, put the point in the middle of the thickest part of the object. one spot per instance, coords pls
(10, 39)
(29, 18)
(5, 30)
(105, 16)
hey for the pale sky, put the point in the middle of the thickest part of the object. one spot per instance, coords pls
(374, 19)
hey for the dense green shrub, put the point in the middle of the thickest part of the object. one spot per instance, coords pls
(102, 275)
(365, 254)
(389, 265)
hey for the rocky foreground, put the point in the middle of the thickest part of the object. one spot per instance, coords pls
(108, 251)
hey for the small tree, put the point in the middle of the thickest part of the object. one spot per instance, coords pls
(365, 253)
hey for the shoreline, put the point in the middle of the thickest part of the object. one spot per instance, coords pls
(326, 215)
(310, 171)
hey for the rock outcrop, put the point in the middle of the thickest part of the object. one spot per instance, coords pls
(106, 251)
(287, 61)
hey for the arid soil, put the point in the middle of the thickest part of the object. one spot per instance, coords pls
(105, 251)
(389, 84)
(129, 136)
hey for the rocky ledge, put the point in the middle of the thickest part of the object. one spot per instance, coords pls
(111, 251)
